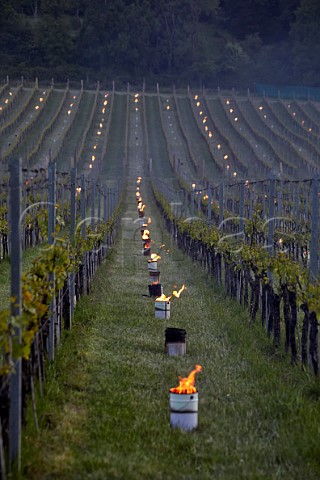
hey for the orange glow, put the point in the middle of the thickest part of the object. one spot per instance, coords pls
(177, 294)
(154, 257)
(146, 235)
(186, 385)
(163, 298)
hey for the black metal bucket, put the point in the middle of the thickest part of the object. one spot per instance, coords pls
(155, 290)
(175, 341)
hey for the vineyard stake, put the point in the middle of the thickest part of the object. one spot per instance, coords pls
(221, 191)
(99, 203)
(105, 206)
(51, 240)
(72, 232)
(15, 271)
(83, 230)
(314, 231)
(271, 215)
(209, 204)
(93, 194)
(192, 202)
(241, 210)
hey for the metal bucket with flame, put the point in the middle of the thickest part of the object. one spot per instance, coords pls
(162, 307)
(184, 410)
(184, 402)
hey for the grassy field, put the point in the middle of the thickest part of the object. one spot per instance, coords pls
(105, 414)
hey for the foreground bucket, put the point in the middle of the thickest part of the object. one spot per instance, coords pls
(184, 411)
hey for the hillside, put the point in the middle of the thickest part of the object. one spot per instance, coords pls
(227, 42)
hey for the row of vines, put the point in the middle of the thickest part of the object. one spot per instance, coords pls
(274, 286)
(72, 221)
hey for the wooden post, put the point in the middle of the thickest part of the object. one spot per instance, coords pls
(72, 232)
(15, 386)
(221, 191)
(209, 204)
(51, 241)
(314, 231)
(241, 209)
(271, 215)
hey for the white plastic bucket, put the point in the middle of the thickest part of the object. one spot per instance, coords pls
(152, 266)
(184, 411)
(162, 309)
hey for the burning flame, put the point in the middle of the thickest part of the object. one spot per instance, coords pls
(154, 257)
(146, 235)
(163, 298)
(186, 385)
(177, 294)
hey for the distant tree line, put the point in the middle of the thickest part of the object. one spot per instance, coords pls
(210, 42)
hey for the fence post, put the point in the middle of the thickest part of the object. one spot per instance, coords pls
(296, 202)
(314, 231)
(192, 202)
(199, 201)
(186, 203)
(72, 232)
(105, 204)
(279, 209)
(93, 194)
(209, 204)
(270, 240)
(15, 386)
(109, 203)
(51, 240)
(99, 202)
(221, 189)
(83, 206)
(83, 230)
(271, 215)
(241, 209)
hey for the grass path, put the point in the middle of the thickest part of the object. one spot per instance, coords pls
(106, 410)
